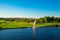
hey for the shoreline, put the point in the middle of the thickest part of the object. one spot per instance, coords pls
(29, 27)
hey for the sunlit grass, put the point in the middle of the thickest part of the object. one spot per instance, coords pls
(15, 25)
(47, 24)
(24, 24)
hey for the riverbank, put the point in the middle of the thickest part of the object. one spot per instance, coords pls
(14, 25)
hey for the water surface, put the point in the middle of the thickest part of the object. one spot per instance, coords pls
(47, 33)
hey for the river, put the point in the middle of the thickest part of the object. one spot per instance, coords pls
(46, 33)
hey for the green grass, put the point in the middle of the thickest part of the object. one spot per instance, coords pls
(47, 24)
(15, 25)
(24, 24)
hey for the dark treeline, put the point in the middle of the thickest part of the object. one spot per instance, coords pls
(48, 19)
(45, 19)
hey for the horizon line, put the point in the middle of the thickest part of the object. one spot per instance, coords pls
(25, 17)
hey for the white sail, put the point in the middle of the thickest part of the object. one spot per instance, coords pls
(34, 24)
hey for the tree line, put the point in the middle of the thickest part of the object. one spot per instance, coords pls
(46, 19)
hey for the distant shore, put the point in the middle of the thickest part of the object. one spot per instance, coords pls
(14, 23)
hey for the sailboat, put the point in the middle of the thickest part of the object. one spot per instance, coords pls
(34, 24)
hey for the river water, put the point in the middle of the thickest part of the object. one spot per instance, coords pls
(46, 33)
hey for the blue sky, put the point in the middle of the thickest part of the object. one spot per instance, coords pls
(29, 8)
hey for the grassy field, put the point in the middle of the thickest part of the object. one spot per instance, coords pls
(15, 25)
(48, 24)
(24, 24)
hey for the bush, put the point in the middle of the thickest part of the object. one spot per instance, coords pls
(0, 27)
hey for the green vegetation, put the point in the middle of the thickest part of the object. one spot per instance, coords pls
(48, 24)
(15, 25)
(28, 22)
